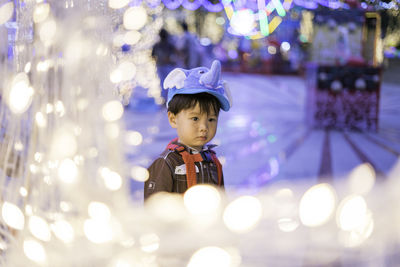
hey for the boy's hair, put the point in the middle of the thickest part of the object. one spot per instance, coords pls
(207, 103)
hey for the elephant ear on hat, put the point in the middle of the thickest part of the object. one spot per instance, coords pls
(175, 78)
(227, 93)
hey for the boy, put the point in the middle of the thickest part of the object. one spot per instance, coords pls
(195, 98)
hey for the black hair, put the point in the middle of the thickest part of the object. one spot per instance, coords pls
(163, 34)
(184, 26)
(207, 103)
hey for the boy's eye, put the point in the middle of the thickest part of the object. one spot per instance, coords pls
(212, 119)
(195, 119)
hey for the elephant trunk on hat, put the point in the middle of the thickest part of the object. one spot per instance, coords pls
(211, 78)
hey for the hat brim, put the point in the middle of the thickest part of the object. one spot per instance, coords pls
(225, 106)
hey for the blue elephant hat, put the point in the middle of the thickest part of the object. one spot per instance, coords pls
(199, 80)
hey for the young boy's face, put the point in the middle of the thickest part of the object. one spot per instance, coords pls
(194, 128)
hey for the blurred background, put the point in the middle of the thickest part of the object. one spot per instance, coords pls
(310, 148)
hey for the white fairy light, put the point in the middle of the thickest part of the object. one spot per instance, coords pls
(18, 146)
(116, 76)
(39, 228)
(12, 216)
(166, 207)
(317, 205)
(139, 173)
(6, 12)
(135, 18)
(48, 31)
(288, 224)
(149, 242)
(28, 67)
(20, 95)
(112, 110)
(211, 257)
(68, 171)
(41, 12)
(98, 231)
(128, 70)
(112, 180)
(243, 214)
(49, 108)
(133, 138)
(35, 251)
(362, 179)
(64, 143)
(60, 108)
(63, 231)
(38, 157)
(118, 40)
(351, 212)
(112, 130)
(99, 211)
(132, 37)
(117, 4)
(40, 120)
(202, 199)
(23, 191)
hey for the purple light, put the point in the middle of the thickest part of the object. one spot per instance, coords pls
(233, 54)
(212, 7)
(191, 5)
(172, 4)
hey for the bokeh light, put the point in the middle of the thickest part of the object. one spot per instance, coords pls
(133, 138)
(21, 93)
(39, 228)
(63, 230)
(149, 242)
(99, 211)
(112, 111)
(135, 18)
(362, 179)
(117, 4)
(35, 251)
(243, 214)
(6, 12)
(68, 171)
(112, 180)
(139, 173)
(12, 216)
(211, 257)
(41, 12)
(243, 21)
(202, 199)
(351, 212)
(98, 231)
(317, 205)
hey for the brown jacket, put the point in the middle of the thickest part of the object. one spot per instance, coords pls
(168, 172)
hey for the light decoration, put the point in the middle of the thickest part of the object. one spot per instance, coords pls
(243, 20)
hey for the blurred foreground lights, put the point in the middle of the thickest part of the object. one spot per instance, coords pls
(285, 46)
(288, 224)
(351, 213)
(12, 216)
(116, 4)
(39, 228)
(63, 231)
(132, 37)
(149, 242)
(41, 121)
(112, 111)
(243, 21)
(64, 143)
(166, 207)
(317, 205)
(112, 180)
(20, 94)
(28, 67)
(6, 12)
(202, 199)
(133, 138)
(112, 130)
(68, 171)
(362, 179)
(139, 173)
(243, 214)
(135, 18)
(35, 251)
(212, 257)
(48, 31)
(356, 221)
(41, 12)
(99, 211)
(98, 231)
(128, 70)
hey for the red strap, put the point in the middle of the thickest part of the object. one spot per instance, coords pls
(190, 159)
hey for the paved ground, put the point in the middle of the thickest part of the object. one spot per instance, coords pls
(264, 138)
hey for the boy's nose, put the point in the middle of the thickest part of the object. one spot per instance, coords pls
(203, 126)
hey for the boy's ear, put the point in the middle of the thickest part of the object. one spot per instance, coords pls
(172, 119)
